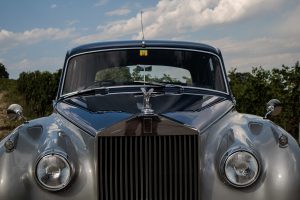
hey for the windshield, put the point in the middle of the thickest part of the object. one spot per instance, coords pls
(139, 66)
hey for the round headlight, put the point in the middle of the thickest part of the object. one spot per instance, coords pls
(241, 168)
(53, 172)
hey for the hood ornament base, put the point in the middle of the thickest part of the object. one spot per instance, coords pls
(147, 106)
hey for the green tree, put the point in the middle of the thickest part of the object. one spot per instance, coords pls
(253, 90)
(39, 89)
(136, 76)
(3, 72)
(116, 74)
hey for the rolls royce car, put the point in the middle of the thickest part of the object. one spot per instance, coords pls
(147, 120)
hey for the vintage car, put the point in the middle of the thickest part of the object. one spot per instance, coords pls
(148, 120)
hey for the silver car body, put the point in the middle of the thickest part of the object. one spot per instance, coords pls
(219, 129)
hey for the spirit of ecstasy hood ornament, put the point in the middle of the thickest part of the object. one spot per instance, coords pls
(147, 95)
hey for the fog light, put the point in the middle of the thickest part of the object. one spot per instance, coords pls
(9, 145)
(241, 168)
(53, 172)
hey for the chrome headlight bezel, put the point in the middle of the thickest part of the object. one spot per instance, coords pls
(229, 154)
(64, 158)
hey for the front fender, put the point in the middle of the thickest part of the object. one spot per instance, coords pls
(17, 167)
(279, 177)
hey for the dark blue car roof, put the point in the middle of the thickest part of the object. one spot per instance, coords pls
(138, 43)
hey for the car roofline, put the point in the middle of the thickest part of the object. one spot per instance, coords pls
(139, 44)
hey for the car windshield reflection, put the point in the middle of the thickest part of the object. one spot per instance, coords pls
(131, 67)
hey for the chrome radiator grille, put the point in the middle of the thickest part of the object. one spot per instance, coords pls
(148, 167)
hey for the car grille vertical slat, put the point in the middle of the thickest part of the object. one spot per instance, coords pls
(196, 168)
(175, 168)
(110, 170)
(171, 143)
(101, 194)
(137, 169)
(141, 167)
(131, 168)
(180, 169)
(116, 163)
(146, 155)
(106, 171)
(121, 182)
(185, 171)
(160, 185)
(148, 167)
(190, 172)
(155, 178)
(165, 167)
(126, 170)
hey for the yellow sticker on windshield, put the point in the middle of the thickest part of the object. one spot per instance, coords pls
(143, 52)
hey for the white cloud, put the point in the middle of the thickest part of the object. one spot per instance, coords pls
(37, 64)
(178, 19)
(289, 24)
(10, 39)
(42, 64)
(170, 18)
(111, 31)
(53, 6)
(100, 3)
(257, 46)
(279, 47)
(266, 52)
(118, 12)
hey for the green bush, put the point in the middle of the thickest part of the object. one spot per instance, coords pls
(39, 89)
(253, 90)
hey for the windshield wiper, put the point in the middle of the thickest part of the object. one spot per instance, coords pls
(160, 87)
(140, 83)
(92, 91)
(169, 88)
(108, 111)
(159, 84)
(102, 83)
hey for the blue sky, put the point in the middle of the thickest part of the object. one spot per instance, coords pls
(35, 34)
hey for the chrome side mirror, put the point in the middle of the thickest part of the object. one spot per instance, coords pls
(274, 108)
(15, 112)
